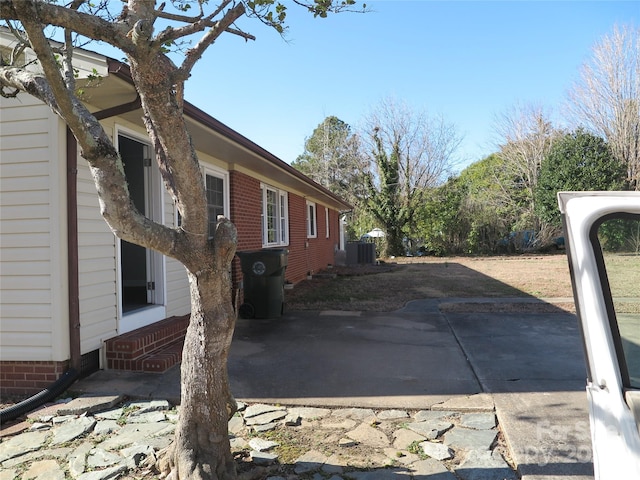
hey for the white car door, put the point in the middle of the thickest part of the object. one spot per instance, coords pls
(603, 246)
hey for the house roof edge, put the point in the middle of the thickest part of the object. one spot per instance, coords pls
(122, 71)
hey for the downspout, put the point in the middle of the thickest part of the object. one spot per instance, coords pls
(75, 361)
(75, 358)
(72, 253)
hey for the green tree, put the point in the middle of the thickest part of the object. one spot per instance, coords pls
(578, 161)
(332, 157)
(469, 213)
(385, 202)
(201, 448)
(492, 213)
(443, 226)
(409, 153)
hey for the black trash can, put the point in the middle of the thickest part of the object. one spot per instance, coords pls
(263, 280)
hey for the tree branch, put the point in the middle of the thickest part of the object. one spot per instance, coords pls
(33, 26)
(84, 24)
(194, 54)
(195, 24)
(105, 163)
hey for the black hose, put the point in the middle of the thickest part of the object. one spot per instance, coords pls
(46, 395)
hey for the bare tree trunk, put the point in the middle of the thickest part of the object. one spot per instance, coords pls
(201, 449)
(394, 246)
(201, 445)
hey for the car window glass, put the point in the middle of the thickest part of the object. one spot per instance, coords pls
(620, 242)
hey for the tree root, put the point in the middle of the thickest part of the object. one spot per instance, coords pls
(170, 467)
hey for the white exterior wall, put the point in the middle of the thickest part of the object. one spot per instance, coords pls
(33, 260)
(96, 267)
(33, 248)
(33, 240)
(178, 297)
(98, 263)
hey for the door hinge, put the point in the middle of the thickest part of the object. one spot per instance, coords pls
(147, 162)
(151, 285)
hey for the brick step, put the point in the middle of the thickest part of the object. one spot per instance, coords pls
(162, 359)
(125, 350)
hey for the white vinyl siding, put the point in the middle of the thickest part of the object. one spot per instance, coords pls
(33, 240)
(178, 299)
(217, 185)
(96, 267)
(32, 263)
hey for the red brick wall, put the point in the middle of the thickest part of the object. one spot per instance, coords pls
(28, 378)
(309, 255)
(245, 214)
(245, 210)
(305, 255)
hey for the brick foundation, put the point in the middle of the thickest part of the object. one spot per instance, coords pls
(154, 348)
(28, 378)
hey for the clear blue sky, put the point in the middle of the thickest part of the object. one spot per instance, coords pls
(468, 61)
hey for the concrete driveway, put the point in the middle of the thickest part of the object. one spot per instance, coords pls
(405, 359)
(532, 364)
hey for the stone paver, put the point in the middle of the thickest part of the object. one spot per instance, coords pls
(352, 443)
(72, 429)
(44, 470)
(439, 451)
(262, 445)
(81, 405)
(310, 461)
(478, 421)
(265, 418)
(369, 435)
(469, 439)
(430, 429)
(21, 444)
(260, 409)
(484, 465)
(480, 402)
(432, 469)
(404, 437)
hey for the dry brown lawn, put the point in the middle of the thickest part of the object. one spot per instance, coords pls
(392, 284)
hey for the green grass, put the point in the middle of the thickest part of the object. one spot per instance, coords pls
(623, 271)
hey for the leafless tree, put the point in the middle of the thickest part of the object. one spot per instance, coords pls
(409, 152)
(606, 98)
(201, 448)
(526, 136)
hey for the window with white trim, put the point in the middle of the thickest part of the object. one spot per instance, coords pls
(217, 193)
(275, 216)
(326, 222)
(214, 188)
(312, 226)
